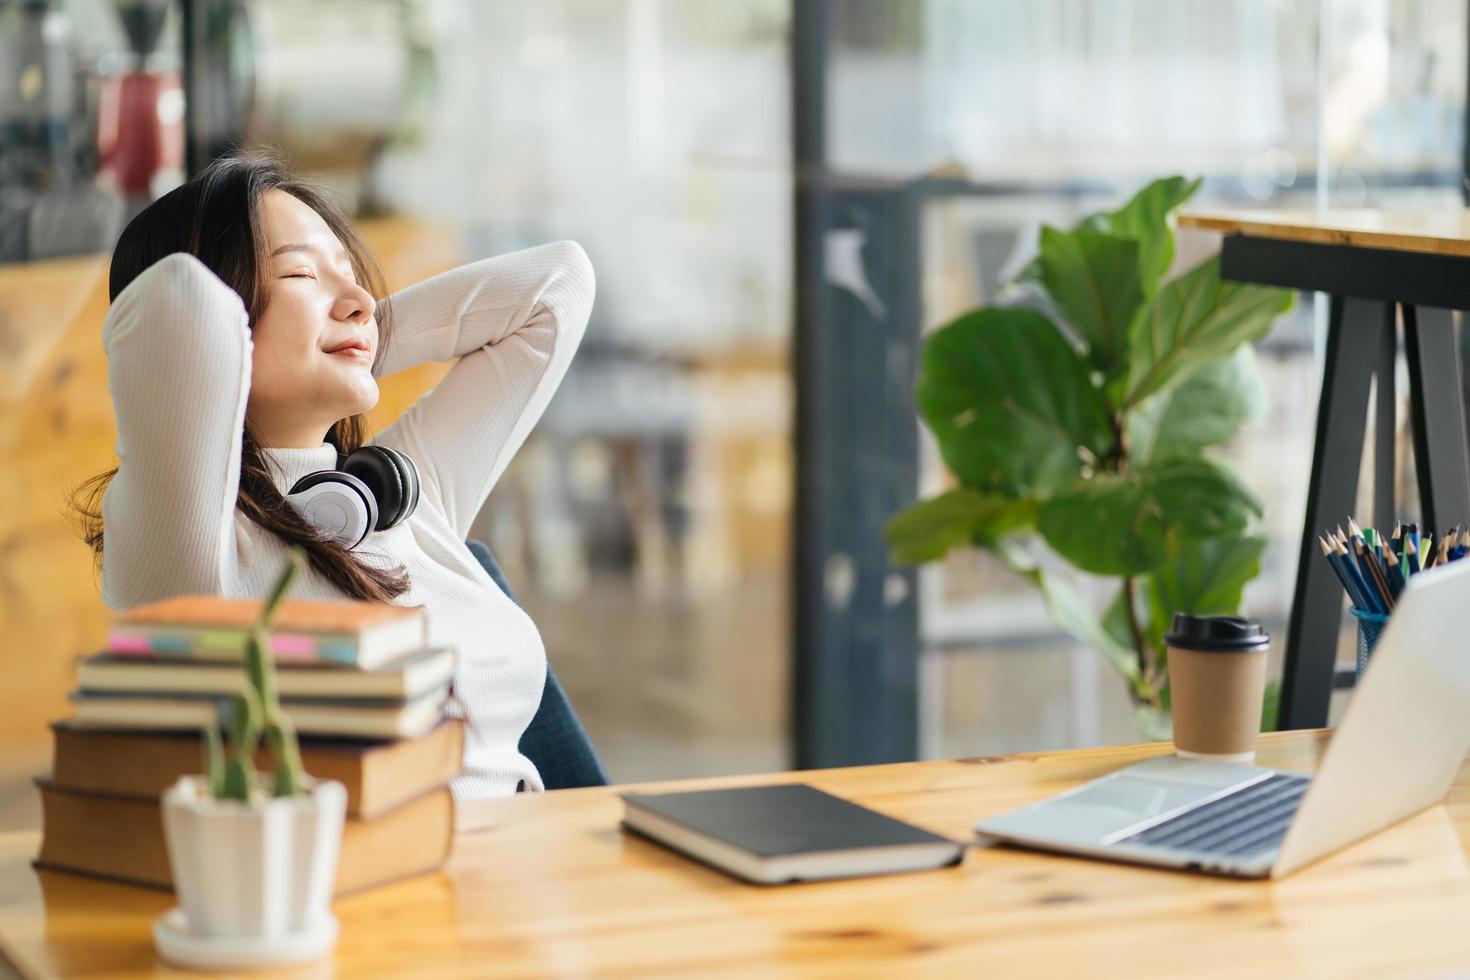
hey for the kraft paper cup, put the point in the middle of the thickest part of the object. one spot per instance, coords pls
(1217, 683)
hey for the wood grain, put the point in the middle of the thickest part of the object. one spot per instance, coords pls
(57, 429)
(1439, 232)
(549, 886)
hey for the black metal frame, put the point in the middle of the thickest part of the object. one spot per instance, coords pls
(1370, 289)
(855, 659)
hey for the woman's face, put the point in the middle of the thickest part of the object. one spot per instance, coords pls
(316, 339)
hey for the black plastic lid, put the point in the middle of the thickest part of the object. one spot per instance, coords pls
(1217, 634)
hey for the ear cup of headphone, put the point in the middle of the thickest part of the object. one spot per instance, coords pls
(335, 502)
(393, 479)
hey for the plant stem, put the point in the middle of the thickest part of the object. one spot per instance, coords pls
(1130, 604)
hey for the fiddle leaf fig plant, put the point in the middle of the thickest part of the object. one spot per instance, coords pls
(1084, 415)
(257, 713)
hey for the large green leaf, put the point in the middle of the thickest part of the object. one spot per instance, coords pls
(1207, 407)
(1093, 277)
(1205, 578)
(1107, 525)
(1011, 403)
(1123, 525)
(1194, 319)
(1145, 218)
(932, 527)
(1070, 612)
(1271, 706)
(1201, 498)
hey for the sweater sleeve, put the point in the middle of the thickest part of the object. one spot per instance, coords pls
(178, 367)
(513, 322)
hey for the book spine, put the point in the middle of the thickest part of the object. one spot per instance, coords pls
(229, 645)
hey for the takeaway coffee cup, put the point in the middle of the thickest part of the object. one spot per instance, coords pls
(1217, 681)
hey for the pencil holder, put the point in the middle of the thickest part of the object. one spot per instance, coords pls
(1369, 626)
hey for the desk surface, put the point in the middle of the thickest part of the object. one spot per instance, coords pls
(548, 885)
(1444, 232)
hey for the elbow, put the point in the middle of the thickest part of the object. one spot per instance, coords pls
(576, 290)
(577, 268)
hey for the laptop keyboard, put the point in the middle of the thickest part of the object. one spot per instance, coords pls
(1240, 825)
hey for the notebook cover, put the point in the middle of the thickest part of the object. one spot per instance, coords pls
(776, 821)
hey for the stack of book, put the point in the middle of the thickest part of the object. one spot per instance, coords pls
(357, 680)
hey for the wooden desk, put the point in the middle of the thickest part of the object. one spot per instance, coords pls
(1431, 232)
(1378, 267)
(548, 885)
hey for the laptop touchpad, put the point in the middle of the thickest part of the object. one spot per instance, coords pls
(1098, 811)
(1128, 799)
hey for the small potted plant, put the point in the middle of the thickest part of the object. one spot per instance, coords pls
(253, 855)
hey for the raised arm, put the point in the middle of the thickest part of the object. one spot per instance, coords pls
(513, 321)
(178, 366)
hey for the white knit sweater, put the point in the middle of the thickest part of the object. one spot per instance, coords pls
(179, 357)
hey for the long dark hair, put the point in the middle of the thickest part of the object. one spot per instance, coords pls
(216, 217)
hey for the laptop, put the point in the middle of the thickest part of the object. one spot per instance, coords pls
(1400, 744)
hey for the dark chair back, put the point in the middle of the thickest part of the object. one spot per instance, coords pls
(555, 740)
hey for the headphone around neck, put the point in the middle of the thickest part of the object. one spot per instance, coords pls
(372, 489)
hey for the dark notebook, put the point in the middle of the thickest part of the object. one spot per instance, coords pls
(771, 834)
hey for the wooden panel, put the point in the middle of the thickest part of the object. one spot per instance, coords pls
(1445, 232)
(548, 885)
(57, 429)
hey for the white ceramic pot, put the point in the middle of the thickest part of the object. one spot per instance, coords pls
(253, 870)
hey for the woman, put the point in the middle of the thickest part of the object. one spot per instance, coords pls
(244, 344)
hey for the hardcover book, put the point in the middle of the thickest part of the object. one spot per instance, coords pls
(350, 718)
(402, 679)
(347, 632)
(379, 776)
(122, 839)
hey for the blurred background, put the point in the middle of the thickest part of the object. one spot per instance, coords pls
(779, 197)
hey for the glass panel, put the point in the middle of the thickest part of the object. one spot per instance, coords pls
(644, 525)
(1046, 111)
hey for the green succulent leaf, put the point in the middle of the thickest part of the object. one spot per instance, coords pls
(1208, 407)
(930, 528)
(1194, 319)
(1123, 525)
(1011, 403)
(238, 780)
(1093, 277)
(214, 761)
